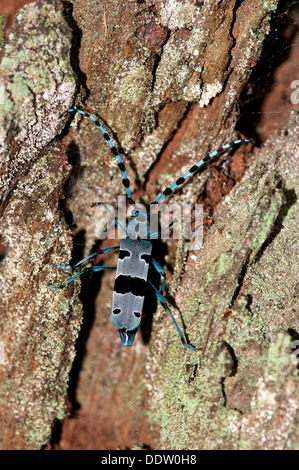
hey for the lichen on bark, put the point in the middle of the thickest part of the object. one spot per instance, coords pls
(38, 331)
(242, 380)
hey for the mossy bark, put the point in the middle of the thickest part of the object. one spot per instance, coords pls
(165, 78)
(38, 329)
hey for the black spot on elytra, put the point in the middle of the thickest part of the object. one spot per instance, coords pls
(147, 258)
(128, 284)
(124, 254)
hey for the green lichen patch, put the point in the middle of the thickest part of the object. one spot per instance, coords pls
(38, 328)
(238, 302)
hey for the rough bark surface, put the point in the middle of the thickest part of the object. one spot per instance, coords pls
(166, 79)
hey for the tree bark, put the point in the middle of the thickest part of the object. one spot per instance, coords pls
(166, 79)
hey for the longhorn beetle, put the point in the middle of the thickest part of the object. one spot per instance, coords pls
(135, 251)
